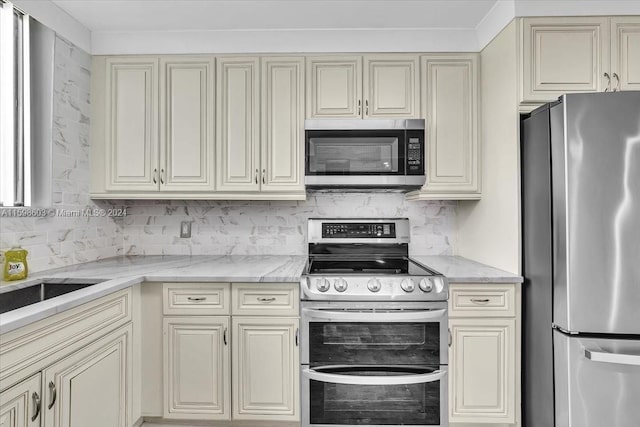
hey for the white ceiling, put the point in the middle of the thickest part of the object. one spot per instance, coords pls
(104, 27)
(189, 15)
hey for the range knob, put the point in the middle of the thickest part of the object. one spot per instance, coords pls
(408, 285)
(426, 284)
(374, 285)
(323, 285)
(340, 285)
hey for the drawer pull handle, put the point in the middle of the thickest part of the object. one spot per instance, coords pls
(52, 391)
(197, 299)
(36, 405)
(480, 300)
(224, 336)
(266, 300)
(297, 337)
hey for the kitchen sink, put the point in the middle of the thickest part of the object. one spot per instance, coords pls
(40, 291)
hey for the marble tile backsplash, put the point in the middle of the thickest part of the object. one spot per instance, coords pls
(55, 240)
(275, 227)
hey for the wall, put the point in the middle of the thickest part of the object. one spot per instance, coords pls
(489, 230)
(56, 240)
(276, 227)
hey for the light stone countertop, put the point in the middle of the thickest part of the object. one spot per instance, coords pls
(122, 272)
(462, 270)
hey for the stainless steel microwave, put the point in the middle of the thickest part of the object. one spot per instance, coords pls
(364, 154)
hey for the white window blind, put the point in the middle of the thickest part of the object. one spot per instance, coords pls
(15, 107)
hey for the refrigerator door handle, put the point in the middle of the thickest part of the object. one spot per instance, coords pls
(606, 357)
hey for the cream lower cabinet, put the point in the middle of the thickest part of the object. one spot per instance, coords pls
(21, 405)
(578, 54)
(92, 386)
(239, 367)
(265, 369)
(484, 356)
(450, 105)
(71, 369)
(196, 357)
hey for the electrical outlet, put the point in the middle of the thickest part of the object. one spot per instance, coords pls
(185, 229)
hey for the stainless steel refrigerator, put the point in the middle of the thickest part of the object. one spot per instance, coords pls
(581, 261)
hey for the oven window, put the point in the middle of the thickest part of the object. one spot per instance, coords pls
(353, 155)
(373, 343)
(353, 404)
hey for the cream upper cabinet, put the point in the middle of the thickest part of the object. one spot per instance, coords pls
(265, 368)
(186, 124)
(196, 366)
(578, 54)
(373, 86)
(238, 131)
(282, 133)
(91, 387)
(334, 87)
(260, 125)
(158, 125)
(131, 124)
(450, 105)
(625, 52)
(484, 354)
(21, 405)
(391, 86)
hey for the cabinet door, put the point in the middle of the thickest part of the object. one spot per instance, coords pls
(391, 86)
(282, 138)
(562, 55)
(132, 124)
(625, 52)
(237, 151)
(334, 87)
(186, 125)
(450, 101)
(91, 387)
(196, 368)
(21, 403)
(482, 370)
(265, 368)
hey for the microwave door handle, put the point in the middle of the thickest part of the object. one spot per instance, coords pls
(373, 380)
(606, 357)
(345, 316)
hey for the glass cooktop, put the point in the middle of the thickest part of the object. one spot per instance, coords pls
(367, 266)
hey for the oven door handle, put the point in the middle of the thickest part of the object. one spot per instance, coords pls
(373, 379)
(346, 316)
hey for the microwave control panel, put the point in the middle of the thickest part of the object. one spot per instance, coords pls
(415, 154)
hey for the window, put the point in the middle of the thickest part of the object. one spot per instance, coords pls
(15, 127)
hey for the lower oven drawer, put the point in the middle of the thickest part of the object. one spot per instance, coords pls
(374, 396)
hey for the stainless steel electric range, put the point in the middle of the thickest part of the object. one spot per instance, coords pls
(374, 335)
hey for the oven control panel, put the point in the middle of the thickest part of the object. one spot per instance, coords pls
(358, 230)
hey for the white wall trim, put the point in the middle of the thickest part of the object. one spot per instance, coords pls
(576, 8)
(286, 40)
(495, 21)
(58, 20)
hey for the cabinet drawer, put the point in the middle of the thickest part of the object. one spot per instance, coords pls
(195, 298)
(471, 300)
(277, 299)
